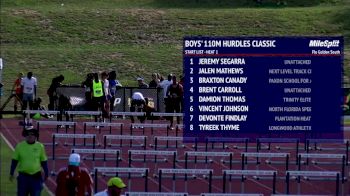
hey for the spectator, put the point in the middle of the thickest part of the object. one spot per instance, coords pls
(87, 84)
(107, 95)
(115, 186)
(174, 93)
(164, 85)
(30, 156)
(182, 82)
(51, 92)
(98, 95)
(114, 85)
(141, 83)
(28, 85)
(17, 91)
(154, 82)
(137, 101)
(74, 180)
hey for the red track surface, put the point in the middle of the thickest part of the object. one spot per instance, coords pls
(12, 132)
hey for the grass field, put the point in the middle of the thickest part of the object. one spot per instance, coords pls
(7, 187)
(143, 36)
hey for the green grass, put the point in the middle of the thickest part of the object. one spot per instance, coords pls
(7, 187)
(138, 37)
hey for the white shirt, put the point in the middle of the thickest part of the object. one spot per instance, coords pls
(164, 85)
(106, 86)
(137, 96)
(28, 85)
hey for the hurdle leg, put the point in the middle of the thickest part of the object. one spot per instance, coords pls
(337, 185)
(298, 187)
(210, 180)
(146, 181)
(287, 182)
(242, 185)
(274, 183)
(186, 185)
(160, 181)
(96, 180)
(224, 182)
(129, 181)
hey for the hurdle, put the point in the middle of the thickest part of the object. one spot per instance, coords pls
(225, 140)
(117, 170)
(194, 172)
(316, 174)
(155, 160)
(49, 112)
(152, 126)
(99, 151)
(255, 173)
(231, 194)
(324, 156)
(57, 124)
(333, 141)
(176, 139)
(258, 155)
(74, 136)
(71, 114)
(154, 194)
(124, 114)
(103, 124)
(206, 155)
(166, 114)
(124, 137)
(259, 141)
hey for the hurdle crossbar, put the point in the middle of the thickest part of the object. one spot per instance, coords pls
(104, 124)
(125, 137)
(146, 125)
(99, 151)
(117, 170)
(225, 140)
(313, 174)
(206, 155)
(258, 155)
(186, 172)
(255, 173)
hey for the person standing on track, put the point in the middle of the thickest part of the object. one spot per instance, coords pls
(30, 157)
(74, 180)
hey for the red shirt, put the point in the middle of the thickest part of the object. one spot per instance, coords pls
(18, 87)
(73, 181)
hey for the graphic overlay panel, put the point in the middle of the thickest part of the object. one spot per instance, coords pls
(263, 86)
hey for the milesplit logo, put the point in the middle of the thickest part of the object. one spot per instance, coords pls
(324, 43)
